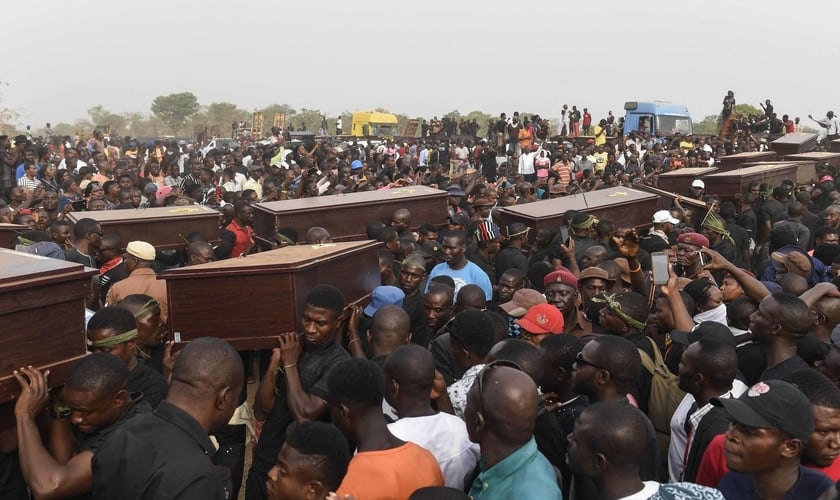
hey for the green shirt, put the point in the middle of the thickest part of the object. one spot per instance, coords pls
(523, 474)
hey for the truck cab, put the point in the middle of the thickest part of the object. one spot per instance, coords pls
(656, 118)
(373, 123)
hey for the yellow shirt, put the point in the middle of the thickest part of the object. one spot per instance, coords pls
(600, 138)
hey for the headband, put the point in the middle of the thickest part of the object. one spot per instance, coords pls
(149, 307)
(115, 340)
(613, 304)
(586, 224)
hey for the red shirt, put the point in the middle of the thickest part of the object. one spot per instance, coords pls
(713, 466)
(244, 238)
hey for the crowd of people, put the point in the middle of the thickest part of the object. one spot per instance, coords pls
(693, 359)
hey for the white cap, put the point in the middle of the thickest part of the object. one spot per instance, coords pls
(697, 183)
(141, 250)
(663, 216)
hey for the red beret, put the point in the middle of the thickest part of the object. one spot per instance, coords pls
(695, 239)
(561, 275)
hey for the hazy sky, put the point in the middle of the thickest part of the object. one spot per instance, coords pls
(421, 58)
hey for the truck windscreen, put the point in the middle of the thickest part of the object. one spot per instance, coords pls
(670, 124)
(383, 129)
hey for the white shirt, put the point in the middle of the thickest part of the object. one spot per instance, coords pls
(444, 436)
(680, 441)
(650, 487)
(526, 163)
(459, 389)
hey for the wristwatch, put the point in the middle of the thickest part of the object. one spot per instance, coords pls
(59, 412)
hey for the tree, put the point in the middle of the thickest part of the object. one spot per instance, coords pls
(174, 109)
(708, 126)
(220, 115)
(101, 116)
(747, 109)
(271, 110)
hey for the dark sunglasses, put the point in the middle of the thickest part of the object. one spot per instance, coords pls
(579, 359)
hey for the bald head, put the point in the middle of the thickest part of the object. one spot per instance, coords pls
(317, 235)
(389, 329)
(508, 403)
(204, 366)
(471, 297)
(524, 354)
(613, 430)
(200, 252)
(413, 368)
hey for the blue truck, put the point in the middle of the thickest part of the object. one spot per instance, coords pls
(656, 118)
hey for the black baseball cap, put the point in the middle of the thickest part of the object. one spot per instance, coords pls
(711, 330)
(772, 404)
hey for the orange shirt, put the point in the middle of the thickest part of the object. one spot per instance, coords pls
(390, 474)
(244, 238)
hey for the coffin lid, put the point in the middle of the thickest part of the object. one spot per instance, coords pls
(145, 215)
(291, 259)
(23, 270)
(332, 201)
(691, 171)
(581, 202)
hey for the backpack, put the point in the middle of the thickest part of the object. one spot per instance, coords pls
(665, 395)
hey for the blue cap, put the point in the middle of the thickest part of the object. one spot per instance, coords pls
(455, 191)
(356, 165)
(382, 296)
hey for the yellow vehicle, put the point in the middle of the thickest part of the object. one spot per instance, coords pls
(373, 123)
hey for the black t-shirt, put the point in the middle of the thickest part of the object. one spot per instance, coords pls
(500, 126)
(168, 455)
(784, 369)
(740, 486)
(148, 382)
(313, 367)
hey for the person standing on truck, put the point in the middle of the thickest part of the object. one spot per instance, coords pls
(600, 132)
(338, 127)
(728, 105)
(587, 121)
(575, 118)
(512, 129)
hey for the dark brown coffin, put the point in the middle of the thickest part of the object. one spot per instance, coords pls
(680, 180)
(8, 233)
(164, 227)
(345, 216)
(735, 161)
(806, 171)
(42, 316)
(833, 146)
(728, 184)
(818, 157)
(250, 300)
(616, 204)
(796, 142)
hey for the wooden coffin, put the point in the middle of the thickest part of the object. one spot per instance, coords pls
(42, 316)
(806, 171)
(679, 181)
(794, 143)
(616, 204)
(345, 216)
(818, 157)
(728, 184)
(833, 146)
(8, 233)
(735, 161)
(250, 300)
(164, 227)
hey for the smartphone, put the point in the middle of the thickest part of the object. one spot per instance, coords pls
(564, 235)
(79, 206)
(702, 260)
(659, 262)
